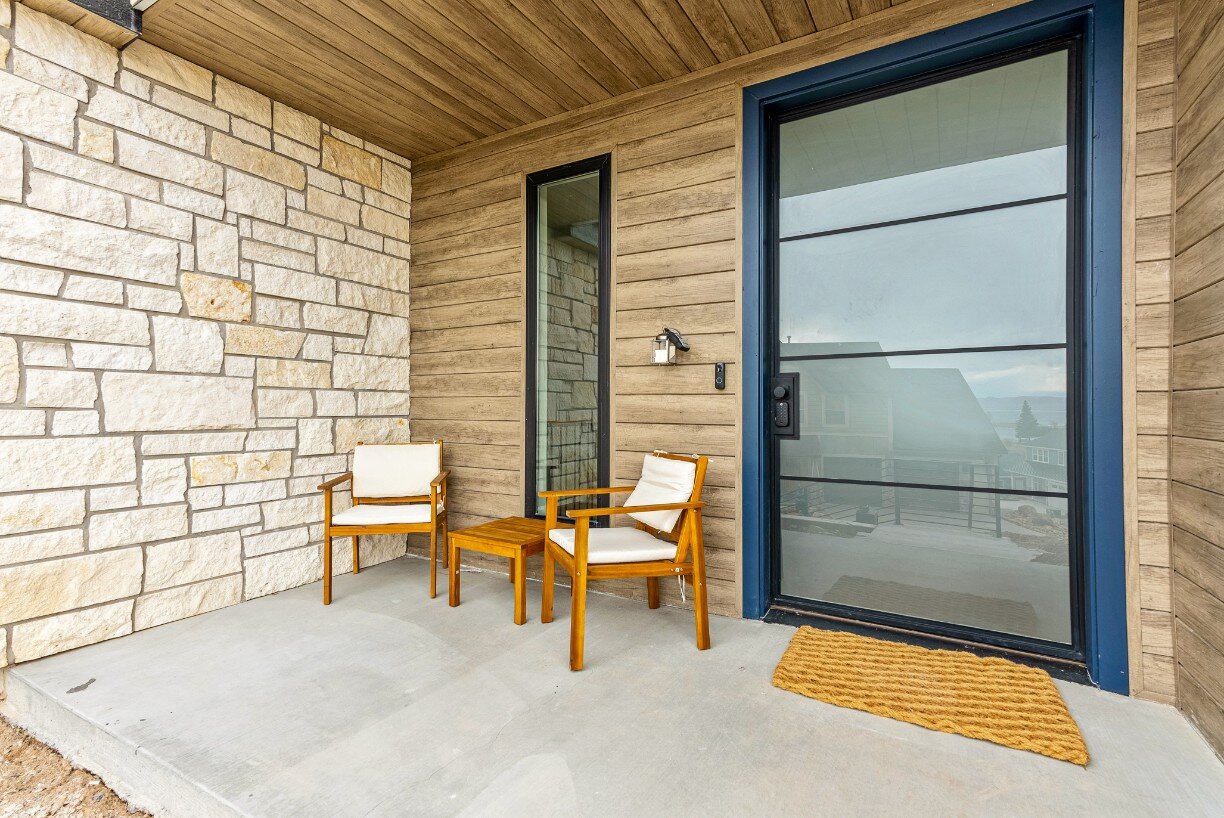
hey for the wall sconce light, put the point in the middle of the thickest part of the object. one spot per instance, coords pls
(663, 347)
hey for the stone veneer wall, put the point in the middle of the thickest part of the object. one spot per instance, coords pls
(573, 368)
(203, 301)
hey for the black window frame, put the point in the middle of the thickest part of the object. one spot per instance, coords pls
(602, 165)
(1075, 344)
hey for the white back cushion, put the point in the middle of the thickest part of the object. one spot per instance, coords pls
(663, 481)
(402, 470)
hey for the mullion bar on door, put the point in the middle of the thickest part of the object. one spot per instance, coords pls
(948, 214)
(897, 353)
(933, 486)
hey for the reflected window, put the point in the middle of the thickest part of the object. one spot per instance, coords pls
(835, 412)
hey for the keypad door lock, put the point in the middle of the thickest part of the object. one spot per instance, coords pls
(784, 402)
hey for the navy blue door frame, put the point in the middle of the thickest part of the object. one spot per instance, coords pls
(1099, 25)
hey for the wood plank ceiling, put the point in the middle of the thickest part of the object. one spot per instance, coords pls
(421, 76)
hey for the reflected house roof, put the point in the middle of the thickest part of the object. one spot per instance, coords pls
(934, 411)
(1052, 438)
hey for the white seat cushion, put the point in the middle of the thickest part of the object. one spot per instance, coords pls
(395, 470)
(607, 545)
(372, 514)
(663, 481)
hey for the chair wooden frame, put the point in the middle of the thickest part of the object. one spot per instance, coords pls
(689, 562)
(437, 521)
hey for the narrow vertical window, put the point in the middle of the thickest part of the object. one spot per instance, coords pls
(568, 263)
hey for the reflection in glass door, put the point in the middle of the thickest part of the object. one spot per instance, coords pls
(923, 246)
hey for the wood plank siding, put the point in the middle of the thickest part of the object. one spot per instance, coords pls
(1148, 307)
(1197, 426)
(676, 261)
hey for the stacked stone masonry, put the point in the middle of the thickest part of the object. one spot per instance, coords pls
(203, 301)
(571, 299)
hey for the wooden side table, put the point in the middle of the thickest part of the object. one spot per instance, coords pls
(516, 538)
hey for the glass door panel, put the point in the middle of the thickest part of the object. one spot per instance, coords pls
(922, 253)
(992, 137)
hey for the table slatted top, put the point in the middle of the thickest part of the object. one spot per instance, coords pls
(511, 532)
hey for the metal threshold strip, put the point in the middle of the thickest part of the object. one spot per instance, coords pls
(1069, 669)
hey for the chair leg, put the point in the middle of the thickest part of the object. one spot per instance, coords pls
(578, 617)
(546, 594)
(356, 555)
(520, 590)
(445, 541)
(452, 572)
(652, 592)
(327, 565)
(433, 562)
(701, 611)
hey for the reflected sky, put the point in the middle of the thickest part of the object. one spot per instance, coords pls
(1000, 374)
(983, 279)
(1011, 178)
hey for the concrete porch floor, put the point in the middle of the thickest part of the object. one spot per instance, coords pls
(389, 703)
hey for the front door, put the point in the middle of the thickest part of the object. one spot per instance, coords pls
(924, 368)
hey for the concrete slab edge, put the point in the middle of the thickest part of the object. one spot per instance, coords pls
(137, 776)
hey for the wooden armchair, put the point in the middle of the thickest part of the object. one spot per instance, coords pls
(666, 541)
(398, 488)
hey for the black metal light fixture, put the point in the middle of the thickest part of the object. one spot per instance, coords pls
(663, 347)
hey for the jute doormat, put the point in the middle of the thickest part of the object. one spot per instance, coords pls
(950, 691)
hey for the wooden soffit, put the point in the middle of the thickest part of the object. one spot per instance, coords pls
(421, 76)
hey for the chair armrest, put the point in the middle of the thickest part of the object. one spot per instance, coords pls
(441, 478)
(335, 481)
(581, 492)
(604, 512)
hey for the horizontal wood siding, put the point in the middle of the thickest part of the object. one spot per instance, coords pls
(1151, 616)
(675, 261)
(676, 185)
(1197, 446)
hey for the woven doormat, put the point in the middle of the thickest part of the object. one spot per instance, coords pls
(946, 690)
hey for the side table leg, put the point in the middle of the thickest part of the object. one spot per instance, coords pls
(520, 589)
(453, 571)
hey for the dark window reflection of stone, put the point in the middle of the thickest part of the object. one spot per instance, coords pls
(567, 337)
